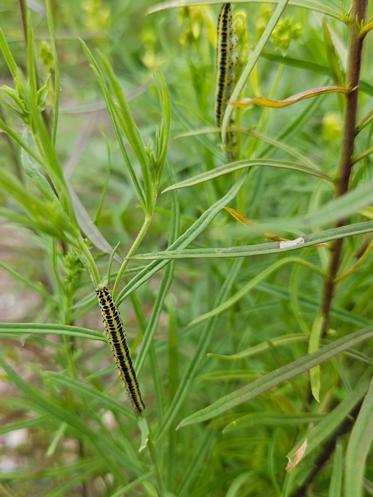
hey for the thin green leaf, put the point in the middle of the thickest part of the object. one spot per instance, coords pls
(271, 419)
(130, 129)
(358, 448)
(202, 346)
(335, 487)
(58, 436)
(111, 108)
(183, 241)
(24, 423)
(164, 132)
(16, 136)
(56, 71)
(89, 392)
(285, 340)
(131, 486)
(161, 295)
(245, 164)
(37, 287)
(240, 480)
(262, 248)
(261, 347)
(313, 304)
(311, 5)
(313, 346)
(8, 57)
(277, 377)
(12, 330)
(249, 286)
(260, 136)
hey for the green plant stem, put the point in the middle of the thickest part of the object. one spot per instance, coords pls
(364, 155)
(140, 236)
(157, 471)
(56, 72)
(346, 160)
(95, 275)
(364, 122)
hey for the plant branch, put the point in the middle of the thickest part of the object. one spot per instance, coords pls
(368, 27)
(364, 122)
(346, 160)
(143, 231)
(364, 155)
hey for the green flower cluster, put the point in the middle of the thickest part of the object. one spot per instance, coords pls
(97, 15)
(286, 31)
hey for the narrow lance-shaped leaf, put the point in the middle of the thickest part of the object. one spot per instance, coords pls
(203, 343)
(358, 448)
(8, 56)
(335, 488)
(13, 330)
(277, 377)
(161, 296)
(313, 346)
(131, 131)
(56, 70)
(271, 419)
(89, 393)
(280, 145)
(163, 134)
(120, 132)
(246, 164)
(249, 286)
(323, 8)
(304, 95)
(261, 347)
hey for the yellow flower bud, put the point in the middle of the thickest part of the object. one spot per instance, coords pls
(331, 126)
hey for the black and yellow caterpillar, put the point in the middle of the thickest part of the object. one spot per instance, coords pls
(116, 337)
(225, 60)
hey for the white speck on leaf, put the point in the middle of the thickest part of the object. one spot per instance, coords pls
(292, 243)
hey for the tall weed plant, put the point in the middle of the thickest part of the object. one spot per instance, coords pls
(238, 252)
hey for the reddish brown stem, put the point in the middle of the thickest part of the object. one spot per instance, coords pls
(23, 10)
(346, 160)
